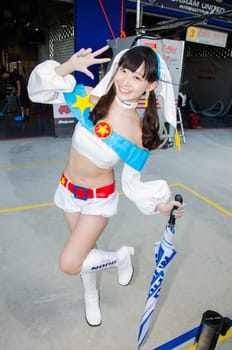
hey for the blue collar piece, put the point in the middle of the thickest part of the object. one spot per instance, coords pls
(80, 106)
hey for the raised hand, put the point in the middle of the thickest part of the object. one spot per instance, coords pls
(81, 60)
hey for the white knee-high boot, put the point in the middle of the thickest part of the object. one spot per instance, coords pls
(98, 260)
(92, 308)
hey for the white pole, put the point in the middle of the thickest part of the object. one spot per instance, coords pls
(138, 16)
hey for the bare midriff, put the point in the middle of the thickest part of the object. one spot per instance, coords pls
(82, 172)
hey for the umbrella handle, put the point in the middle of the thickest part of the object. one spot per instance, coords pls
(172, 219)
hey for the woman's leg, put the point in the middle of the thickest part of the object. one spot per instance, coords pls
(82, 243)
(78, 256)
(85, 231)
(71, 220)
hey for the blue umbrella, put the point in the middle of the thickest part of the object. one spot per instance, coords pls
(164, 253)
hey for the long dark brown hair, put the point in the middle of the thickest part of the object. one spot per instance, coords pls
(132, 60)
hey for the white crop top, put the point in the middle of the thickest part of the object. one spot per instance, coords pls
(46, 86)
(93, 148)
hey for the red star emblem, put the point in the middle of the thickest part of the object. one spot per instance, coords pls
(103, 129)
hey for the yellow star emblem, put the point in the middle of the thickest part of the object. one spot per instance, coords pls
(102, 130)
(82, 103)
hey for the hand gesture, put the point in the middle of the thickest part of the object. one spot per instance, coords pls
(85, 58)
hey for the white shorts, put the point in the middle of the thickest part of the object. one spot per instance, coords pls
(65, 200)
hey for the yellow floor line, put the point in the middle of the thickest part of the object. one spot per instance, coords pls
(200, 148)
(25, 207)
(31, 164)
(192, 347)
(224, 337)
(213, 204)
(220, 339)
(205, 199)
(62, 161)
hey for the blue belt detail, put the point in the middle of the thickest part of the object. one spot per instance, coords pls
(131, 154)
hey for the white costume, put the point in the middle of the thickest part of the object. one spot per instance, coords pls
(46, 86)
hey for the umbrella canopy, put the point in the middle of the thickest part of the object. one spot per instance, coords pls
(164, 253)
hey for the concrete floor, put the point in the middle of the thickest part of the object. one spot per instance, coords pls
(42, 309)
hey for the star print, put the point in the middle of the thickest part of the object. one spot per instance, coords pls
(103, 129)
(63, 180)
(82, 103)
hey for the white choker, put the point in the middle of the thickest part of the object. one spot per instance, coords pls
(126, 105)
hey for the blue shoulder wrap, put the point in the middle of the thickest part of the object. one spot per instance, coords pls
(79, 104)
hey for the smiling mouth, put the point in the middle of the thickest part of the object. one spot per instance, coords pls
(123, 92)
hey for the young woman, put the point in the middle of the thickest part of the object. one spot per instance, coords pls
(108, 129)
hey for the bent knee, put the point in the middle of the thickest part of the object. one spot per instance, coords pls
(69, 266)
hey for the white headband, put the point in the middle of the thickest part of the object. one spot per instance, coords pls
(164, 90)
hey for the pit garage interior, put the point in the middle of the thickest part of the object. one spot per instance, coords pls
(41, 308)
(33, 32)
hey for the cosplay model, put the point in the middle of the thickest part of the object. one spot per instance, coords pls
(109, 129)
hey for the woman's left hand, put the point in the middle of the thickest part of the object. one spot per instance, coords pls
(166, 208)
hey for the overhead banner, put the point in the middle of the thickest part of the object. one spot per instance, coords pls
(199, 7)
(206, 36)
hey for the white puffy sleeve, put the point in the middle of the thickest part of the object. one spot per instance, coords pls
(46, 86)
(145, 195)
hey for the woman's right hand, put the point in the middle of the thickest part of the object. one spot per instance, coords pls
(81, 60)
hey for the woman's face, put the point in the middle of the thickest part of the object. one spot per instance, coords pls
(131, 85)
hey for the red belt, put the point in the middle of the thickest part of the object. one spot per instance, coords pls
(85, 193)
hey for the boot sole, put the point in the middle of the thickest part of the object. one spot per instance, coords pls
(92, 325)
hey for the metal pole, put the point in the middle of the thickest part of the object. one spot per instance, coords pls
(212, 325)
(138, 16)
(206, 337)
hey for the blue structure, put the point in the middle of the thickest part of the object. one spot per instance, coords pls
(92, 28)
(97, 21)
